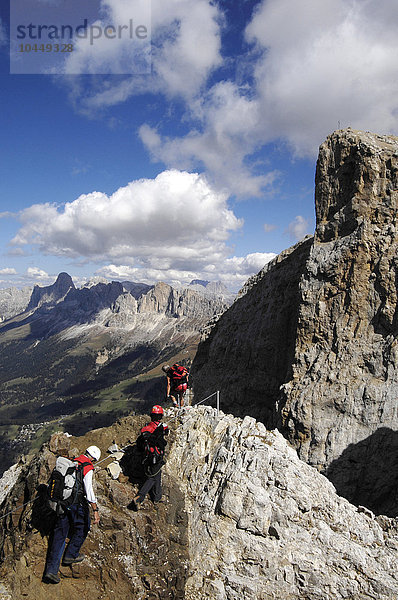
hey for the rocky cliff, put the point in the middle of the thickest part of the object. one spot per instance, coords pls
(243, 519)
(14, 301)
(51, 294)
(310, 345)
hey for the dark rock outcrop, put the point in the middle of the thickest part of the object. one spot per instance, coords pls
(136, 289)
(249, 353)
(51, 293)
(315, 333)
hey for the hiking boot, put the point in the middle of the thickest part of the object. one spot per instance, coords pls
(71, 561)
(134, 504)
(51, 578)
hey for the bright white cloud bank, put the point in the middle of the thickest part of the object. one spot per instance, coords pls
(317, 66)
(8, 271)
(310, 66)
(174, 227)
(185, 48)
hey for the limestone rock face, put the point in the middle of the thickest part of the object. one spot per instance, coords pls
(344, 385)
(14, 301)
(242, 519)
(177, 303)
(264, 525)
(250, 349)
(51, 293)
(316, 331)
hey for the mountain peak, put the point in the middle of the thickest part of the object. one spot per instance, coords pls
(203, 282)
(64, 281)
(52, 293)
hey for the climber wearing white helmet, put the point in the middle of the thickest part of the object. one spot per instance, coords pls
(74, 522)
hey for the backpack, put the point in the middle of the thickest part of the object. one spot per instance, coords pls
(65, 486)
(179, 374)
(154, 446)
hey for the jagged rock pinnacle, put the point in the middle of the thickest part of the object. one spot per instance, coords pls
(51, 293)
(311, 344)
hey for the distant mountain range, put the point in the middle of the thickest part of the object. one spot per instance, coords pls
(94, 351)
(14, 301)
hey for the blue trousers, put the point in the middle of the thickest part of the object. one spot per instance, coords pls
(75, 524)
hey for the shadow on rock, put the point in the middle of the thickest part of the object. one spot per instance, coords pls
(367, 473)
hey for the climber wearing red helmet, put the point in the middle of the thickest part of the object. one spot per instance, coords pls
(152, 442)
(177, 383)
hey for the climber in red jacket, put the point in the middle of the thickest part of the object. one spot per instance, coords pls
(177, 383)
(152, 443)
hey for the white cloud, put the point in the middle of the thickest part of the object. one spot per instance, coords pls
(175, 223)
(177, 29)
(8, 271)
(233, 272)
(298, 228)
(325, 64)
(269, 227)
(229, 121)
(37, 274)
(317, 66)
(173, 228)
(176, 217)
(116, 42)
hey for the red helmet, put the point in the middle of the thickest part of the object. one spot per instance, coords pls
(157, 410)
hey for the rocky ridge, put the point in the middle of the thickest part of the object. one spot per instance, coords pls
(310, 344)
(51, 294)
(243, 519)
(144, 313)
(14, 301)
(159, 311)
(212, 289)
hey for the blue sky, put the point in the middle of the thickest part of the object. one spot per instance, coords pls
(202, 168)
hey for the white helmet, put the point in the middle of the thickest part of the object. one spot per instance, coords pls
(94, 452)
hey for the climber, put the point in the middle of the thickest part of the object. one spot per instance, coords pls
(152, 442)
(177, 383)
(75, 520)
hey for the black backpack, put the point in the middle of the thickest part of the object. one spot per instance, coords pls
(65, 486)
(153, 444)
